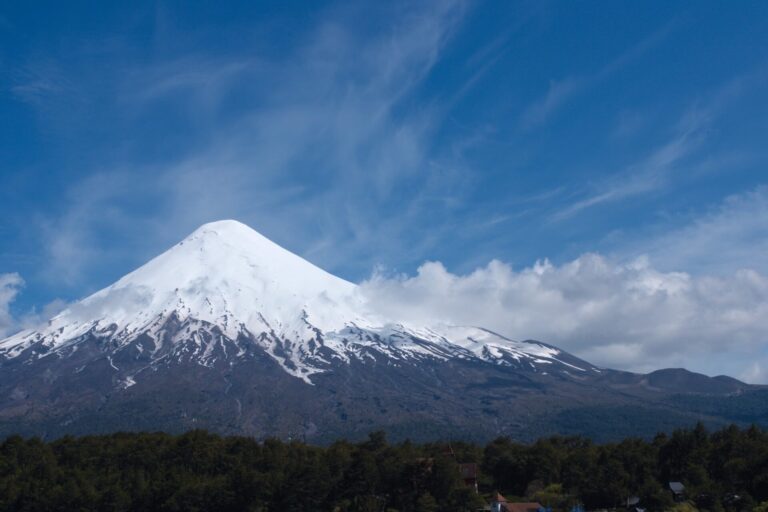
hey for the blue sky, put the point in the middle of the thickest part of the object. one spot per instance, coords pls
(374, 137)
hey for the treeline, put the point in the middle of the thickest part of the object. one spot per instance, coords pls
(724, 470)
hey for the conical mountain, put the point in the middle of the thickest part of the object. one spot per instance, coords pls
(226, 278)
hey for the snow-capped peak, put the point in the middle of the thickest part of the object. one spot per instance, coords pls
(227, 274)
(227, 269)
(228, 279)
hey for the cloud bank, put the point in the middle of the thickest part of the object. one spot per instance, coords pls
(621, 315)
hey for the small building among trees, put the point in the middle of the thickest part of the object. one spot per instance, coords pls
(500, 504)
(678, 491)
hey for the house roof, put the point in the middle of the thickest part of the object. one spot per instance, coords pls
(676, 486)
(522, 507)
(514, 507)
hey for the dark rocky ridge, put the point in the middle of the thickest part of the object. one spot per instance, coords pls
(82, 392)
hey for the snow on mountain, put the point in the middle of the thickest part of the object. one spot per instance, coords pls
(226, 286)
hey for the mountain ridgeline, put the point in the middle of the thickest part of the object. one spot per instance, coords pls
(229, 332)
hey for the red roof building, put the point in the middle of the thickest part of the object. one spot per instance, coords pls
(500, 504)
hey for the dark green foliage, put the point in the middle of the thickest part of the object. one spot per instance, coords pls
(199, 471)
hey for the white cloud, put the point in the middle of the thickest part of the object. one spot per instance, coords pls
(10, 284)
(34, 318)
(622, 315)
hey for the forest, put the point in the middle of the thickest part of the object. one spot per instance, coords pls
(726, 470)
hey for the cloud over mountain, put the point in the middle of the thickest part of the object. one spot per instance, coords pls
(627, 315)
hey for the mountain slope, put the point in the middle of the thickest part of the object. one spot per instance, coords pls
(229, 331)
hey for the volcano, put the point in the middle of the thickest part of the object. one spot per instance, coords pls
(230, 332)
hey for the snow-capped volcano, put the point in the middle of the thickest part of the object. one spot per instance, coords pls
(226, 287)
(230, 332)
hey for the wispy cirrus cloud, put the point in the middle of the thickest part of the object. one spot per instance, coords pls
(563, 90)
(320, 151)
(656, 170)
(649, 174)
(731, 234)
